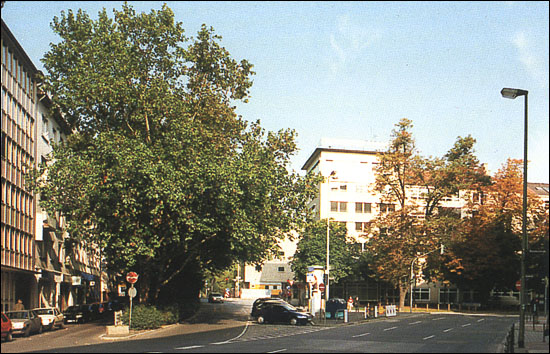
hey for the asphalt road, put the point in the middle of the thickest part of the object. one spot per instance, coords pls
(222, 328)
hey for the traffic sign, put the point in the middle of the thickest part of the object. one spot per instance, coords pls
(132, 292)
(132, 277)
(321, 287)
(518, 285)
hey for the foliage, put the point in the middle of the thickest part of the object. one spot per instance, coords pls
(398, 237)
(484, 252)
(150, 317)
(160, 172)
(312, 250)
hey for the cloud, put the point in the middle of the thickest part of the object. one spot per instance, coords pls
(532, 61)
(348, 41)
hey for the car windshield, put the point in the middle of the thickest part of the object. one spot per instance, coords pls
(17, 314)
(287, 307)
(44, 311)
(216, 295)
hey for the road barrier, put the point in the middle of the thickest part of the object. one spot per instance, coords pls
(391, 311)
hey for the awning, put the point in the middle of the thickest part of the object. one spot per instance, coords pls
(86, 276)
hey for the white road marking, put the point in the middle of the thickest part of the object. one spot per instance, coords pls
(466, 325)
(389, 329)
(481, 320)
(417, 322)
(437, 319)
(447, 330)
(360, 335)
(190, 347)
(428, 337)
(278, 351)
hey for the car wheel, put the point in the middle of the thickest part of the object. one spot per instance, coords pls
(261, 319)
(62, 325)
(27, 332)
(9, 337)
(40, 329)
(293, 321)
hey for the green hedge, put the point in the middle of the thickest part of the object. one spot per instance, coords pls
(150, 317)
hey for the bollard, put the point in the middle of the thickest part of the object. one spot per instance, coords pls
(375, 311)
(345, 316)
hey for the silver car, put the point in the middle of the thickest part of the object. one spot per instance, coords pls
(25, 322)
(51, 317)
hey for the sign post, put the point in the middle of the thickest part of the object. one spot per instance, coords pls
(132, 278)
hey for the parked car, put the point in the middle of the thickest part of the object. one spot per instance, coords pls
(7, 331)
(77, 313)
(258, 303)
(215, 297)
(282, 313)
(98, 310)
(51, 317)
(25, 322)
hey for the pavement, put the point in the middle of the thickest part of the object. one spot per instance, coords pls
(534, 341)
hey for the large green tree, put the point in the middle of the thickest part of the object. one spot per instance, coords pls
(312, 250)
(160, 171)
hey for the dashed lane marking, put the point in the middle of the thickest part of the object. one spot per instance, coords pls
(425, 338)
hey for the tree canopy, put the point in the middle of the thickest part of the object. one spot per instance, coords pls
(160, 172)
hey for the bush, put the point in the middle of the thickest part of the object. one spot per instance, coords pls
(149, 317)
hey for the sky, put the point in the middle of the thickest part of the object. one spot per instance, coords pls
(352, 70)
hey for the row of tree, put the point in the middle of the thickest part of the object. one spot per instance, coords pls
(164, 176)
(481, 247)
(159, 171)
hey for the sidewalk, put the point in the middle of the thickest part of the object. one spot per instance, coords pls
(533, 337)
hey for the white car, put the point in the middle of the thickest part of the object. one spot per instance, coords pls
(51, 317)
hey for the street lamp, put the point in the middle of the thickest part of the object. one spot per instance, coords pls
(513, 93)
(332, 175)
(413, 280)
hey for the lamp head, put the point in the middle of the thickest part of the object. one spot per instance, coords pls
(513, 93)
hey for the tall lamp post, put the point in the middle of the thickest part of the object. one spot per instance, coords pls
(513, 93)
(332, 175)
(413, 280)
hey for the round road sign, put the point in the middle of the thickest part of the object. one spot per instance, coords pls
(321, 287)
(132, 277)
(132, 292)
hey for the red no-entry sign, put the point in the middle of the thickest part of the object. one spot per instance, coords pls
(321, 287)
(132, 277)
(518, 285)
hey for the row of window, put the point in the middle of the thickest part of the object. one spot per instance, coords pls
(13, 71)
(360, 207)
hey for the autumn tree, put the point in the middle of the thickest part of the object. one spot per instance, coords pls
(398, 237)
(160, 172)
(484, 252)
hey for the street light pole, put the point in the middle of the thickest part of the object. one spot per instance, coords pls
(413, 280)
(327, 287)
(513, 93)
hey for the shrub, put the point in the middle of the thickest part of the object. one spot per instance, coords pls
(149, 317)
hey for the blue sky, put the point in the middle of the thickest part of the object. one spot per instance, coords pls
(351, 70)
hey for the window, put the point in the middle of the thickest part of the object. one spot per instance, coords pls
(361, 208)
(281, 269)
(422, 294)
(341, 207)
(384, 208)
(361, 226)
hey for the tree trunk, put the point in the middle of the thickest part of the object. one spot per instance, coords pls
(402, 293)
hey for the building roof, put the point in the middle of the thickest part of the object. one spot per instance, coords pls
(345, 146)
(540, 189)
